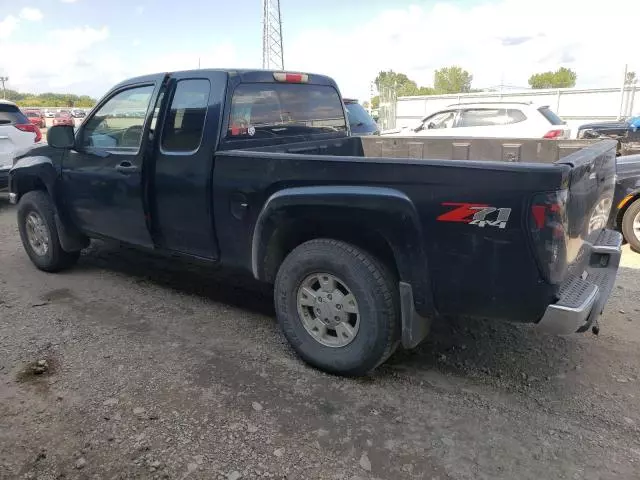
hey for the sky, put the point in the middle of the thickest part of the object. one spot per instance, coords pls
(86, 46)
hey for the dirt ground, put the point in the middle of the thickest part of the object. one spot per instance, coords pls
(151, 371)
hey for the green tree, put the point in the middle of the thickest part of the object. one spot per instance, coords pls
(452, 79)
(50, 99)
(561, 78)
(399, 82)
(375, 102)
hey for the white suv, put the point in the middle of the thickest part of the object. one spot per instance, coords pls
(16, 133)
(495, 119)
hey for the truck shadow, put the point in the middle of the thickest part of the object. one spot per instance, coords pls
(491, 352)
(193, 279)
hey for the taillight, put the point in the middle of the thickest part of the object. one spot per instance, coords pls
(29, 127)
(548, 227)
(291, 77)
(554, 134)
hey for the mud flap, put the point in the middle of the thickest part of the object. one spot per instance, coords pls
(70, 241)
(415, 327)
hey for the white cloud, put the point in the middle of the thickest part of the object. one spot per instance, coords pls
(31, 14)
(504, 40)
(8, 26)
(498, 40)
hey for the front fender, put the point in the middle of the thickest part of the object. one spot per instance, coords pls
(386, 211)
(39, 173)
(29, 172)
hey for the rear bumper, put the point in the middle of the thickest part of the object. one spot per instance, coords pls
(584, 294)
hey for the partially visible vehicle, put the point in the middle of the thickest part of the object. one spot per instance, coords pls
(77, 113)
(49, 113)
(36, 117)
(625, 212)
(490, 120)
(360, 121)
(63, 118)
(625, 132)
(17, 133)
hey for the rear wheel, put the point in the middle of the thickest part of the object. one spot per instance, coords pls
(631, 225)
(39, 235)
(338, 307)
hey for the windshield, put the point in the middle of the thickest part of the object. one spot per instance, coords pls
(358, 116)
(260, 110)
(551, 116)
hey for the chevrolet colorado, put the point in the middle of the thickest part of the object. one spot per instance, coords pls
(365, 239)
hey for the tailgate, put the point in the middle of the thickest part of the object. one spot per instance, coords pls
(585, 271)
(590, 197)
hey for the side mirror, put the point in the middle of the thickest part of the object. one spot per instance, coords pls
(431, 125)
(61, 136)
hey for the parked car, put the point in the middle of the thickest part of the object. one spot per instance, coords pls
(364, 246)
(63, 118)
(490, 119)
(49, 113)
(77, 113)
(625, 132)
(16, 133)
(625, 213)
(36, 117)
(360, 122)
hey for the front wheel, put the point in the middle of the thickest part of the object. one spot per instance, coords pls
(631, 225)
(39, 235)
(338, 307)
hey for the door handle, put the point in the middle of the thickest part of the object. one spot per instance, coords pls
(127, 167)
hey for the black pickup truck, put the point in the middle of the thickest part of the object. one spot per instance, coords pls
(365, 239)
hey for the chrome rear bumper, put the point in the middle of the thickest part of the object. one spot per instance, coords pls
(583, 296)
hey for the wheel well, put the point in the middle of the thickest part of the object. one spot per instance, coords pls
(288, 235)
(624, 209)
(27, 183)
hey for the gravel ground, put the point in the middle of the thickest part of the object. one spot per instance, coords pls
(151, 371)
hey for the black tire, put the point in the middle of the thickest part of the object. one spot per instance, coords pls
(627, 225)
(376, 293)
(55, 258)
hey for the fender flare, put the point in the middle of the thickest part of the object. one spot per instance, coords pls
(40, 169)
(389, 212)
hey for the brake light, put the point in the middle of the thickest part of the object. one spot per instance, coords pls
(548, 226)
(30, 127)
(551, 134)
(291, 77)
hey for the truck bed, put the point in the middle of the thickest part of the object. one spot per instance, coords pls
(439, 148)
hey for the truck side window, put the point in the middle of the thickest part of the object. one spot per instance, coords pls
(185, 120)
(118, 124)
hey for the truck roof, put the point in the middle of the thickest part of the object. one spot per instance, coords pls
(245, 75)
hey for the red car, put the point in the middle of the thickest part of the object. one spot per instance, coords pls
(36, 117)
(63, 118)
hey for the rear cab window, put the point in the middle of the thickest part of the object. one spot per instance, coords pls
(268, 110)
(551, 116)
(11, 115)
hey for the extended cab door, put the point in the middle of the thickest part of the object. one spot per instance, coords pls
(182, 186)
(103, 175)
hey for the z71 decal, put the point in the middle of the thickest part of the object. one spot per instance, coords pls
(478, 214)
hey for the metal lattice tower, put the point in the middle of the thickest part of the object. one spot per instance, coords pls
(272, 57)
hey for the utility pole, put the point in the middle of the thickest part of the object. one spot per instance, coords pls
(4, 90)
(272, 56)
